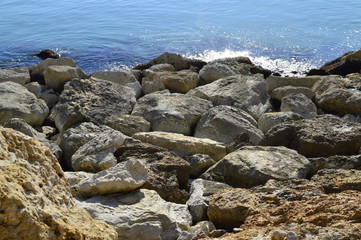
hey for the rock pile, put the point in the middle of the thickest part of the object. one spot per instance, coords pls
(180, 149)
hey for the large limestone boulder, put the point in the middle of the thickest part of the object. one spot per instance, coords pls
(323, 136)
(224, 124)
(332, 95)
(98, 153)
(168, 174)
(274, 82)
(87, 100)
(201, 192)
(255, 165)
(214, 71)
(184, 145)
(56, 76)
(269, 120)
(338, 180)
(300, 104)
(171, 112)
(124, 177)
(244, 92)
(128, 124)
(178, 62)
(142, 215)
(19, 75)
(17, 102)
(125, 78)
(282, 92)
(36, 202)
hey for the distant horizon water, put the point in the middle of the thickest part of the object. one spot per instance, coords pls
(119, 34)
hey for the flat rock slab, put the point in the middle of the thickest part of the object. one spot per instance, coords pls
(184, 145)
(255, 165)
(323, 136)
(91, 101)
(274, 82)
(282, 92)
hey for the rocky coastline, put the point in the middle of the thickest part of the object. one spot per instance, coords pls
(180, 149)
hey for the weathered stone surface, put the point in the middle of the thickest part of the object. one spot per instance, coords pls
(338, 180)
(125, 78)
(78, 135)
(201, 191)
(56, 76)
(128, 124)
(229, 208)
(225, 123)
(333, 96)
(254, 165)
(35, 198)
(199, 164)
(269, 120)
(87, 100)
(204, 228)
(323, 136)
(244, 92)
(353, 80)
(140, 215)
(184, 145)
(98, 153)
(274, 82)
(282, 92)
(151, 84)
(17, 102)
(334, 162)
(18, 75)
(168, 174)
(348, 63)
(214, 71)
(162, 67)
(171, 112)
(124, 177)
(179, 62)
(300, 104)
(74, 178)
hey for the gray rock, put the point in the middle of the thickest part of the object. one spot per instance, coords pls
(204, 228)
(244, 92)
(162, 67)
(87, 100)
(150, 85)
(171, 112)
(323, 136)
(18, 75)
(274, 82)
(225, 123)
(50, 97)
(98, 153)
(125, 78)
(75, 177)
(282, 92)
(124, 177)
(17, 102)
(255, 165)
(269, 120)
(199, 164)
(201, 191)
(36, 71)
(214, 71)
(35, 88)
(56, 76)
(140, 215)
(334, 162)
(128, 124)
(300, 104)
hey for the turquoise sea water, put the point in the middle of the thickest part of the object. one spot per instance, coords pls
(114, 34)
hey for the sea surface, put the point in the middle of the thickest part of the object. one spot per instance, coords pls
(284, 36)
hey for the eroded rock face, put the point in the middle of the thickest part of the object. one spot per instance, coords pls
(255, 165)
(17, 102)
(171, 112)
(56, 76)
(269, 120)
(140, 215)
(282, 92)
(323, 136)
(300, 104)
(87, 100)
(274, 82)
(35, 197)
(128, 124)
(19, 75)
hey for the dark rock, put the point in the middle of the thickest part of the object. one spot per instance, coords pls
(47, 53)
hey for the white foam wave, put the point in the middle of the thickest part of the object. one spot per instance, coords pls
(116, 67)
(284, 67)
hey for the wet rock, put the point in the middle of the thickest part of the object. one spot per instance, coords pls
(282, 92)
(128, 124)
(274, 82)
(35, 197)
(86, 100)
(255, 165)
(269, 120)
(300, 104)
(18, 75)
(323, 136)
(47, 53)
(17, 102)
(184, 145)
(171, 112)
(179, 62)
(225, 123)
(199, 164)
(140, 215)
(168, 174)
(56, 76)
(244, 92)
